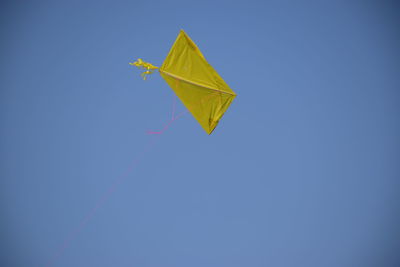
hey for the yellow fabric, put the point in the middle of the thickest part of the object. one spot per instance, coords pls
(206, 105)
(144, 65)
(196, 83)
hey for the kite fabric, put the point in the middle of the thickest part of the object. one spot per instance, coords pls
(200, 88)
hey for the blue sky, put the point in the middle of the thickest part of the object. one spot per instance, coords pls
(303, 169)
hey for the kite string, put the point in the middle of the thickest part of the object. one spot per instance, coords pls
(176, 117)
(173, 117)
(101, 201)
(75, 232)
(169, 122)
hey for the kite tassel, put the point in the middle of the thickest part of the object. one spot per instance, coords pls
(150, 68)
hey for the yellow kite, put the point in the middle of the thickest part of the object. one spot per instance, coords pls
(203, 92)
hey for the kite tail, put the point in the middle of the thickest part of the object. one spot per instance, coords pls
(144, 65)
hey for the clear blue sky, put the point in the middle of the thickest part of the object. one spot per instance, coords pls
(303, 169)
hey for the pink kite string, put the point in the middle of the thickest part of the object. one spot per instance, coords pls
(173, 118)
(75, 232)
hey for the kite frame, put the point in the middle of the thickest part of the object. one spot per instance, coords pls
(194, 83)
